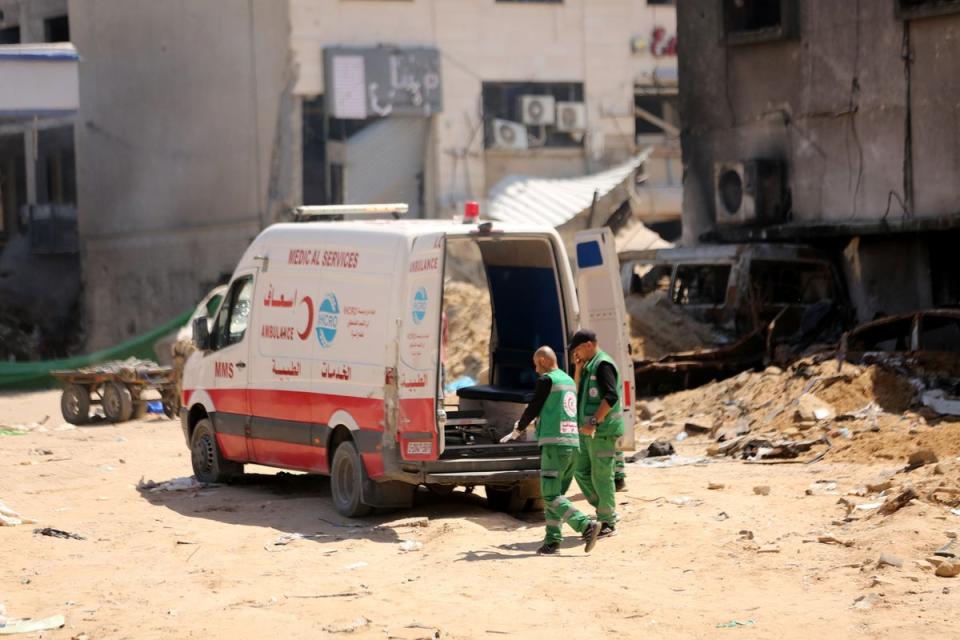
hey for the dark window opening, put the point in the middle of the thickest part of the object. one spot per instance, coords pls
(336, 183)
(314, 150)
(647, 279)
(697, 284)
(939, 333)
(909, 9)
(10, 35)
(13, 181)
(56, 29)
(945, 269)
(746, 21)
(502, 101)
(662, 104)
(790, 283)
(56, 167)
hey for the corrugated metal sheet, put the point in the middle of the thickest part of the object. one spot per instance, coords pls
(555, 201)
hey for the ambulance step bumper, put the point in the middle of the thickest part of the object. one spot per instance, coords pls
(483, 477)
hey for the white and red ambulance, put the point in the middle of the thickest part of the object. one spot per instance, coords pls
(325, 355)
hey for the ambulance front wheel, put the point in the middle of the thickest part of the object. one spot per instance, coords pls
(208, 465)
(347, 476)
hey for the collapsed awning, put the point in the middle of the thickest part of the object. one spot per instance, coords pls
(557, 201)
(39, 81)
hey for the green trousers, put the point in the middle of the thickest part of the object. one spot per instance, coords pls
(556, 472)
(620, 468)
(594, 474)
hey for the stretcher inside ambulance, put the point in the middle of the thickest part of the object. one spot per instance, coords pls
(326, 356)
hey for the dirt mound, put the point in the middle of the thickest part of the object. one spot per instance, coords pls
(658, 328)
(468, 329)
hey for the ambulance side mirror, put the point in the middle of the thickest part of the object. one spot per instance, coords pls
(201, 333)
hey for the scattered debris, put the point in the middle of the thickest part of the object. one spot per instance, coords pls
(761, 490)
(889, 561)
(834, 540)
(746, 534)
(716, 486)
(341, 594)
(287, 538)
(672, 461)
(769, 548)
(865, 601)
(10, 518)
(405, 523)
(939, 401)
(356, 565)
(58, 533)
(658, 449)
(347, 627)
(733, 624)
(948, 569)
(892, 505)
(920, 458)
(31, 626)
(177, 484)
(411, 545)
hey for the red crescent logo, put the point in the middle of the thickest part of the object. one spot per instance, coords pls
(306, 332)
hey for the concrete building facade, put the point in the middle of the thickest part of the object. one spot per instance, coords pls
(201, 123)
(39, 263)
(846, 115)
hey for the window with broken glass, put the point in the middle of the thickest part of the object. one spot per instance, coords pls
(700, 284)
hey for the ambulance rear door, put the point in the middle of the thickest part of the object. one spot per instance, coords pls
(602, 310)
(418, 370)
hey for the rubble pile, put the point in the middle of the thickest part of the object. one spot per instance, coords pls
(658, 328)
(468, 329)
(853, 413)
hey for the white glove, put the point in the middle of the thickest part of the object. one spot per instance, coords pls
(513, 435)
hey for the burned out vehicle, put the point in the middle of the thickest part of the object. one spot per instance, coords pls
(763, 301)
(737, 288)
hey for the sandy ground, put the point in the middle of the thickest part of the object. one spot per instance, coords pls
(200, 564)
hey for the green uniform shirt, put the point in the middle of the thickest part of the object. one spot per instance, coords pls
(558, 417)
(590, 398)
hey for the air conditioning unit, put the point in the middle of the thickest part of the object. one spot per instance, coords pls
(750, 192)
(509, 135)
(538, 110)
(571, 117)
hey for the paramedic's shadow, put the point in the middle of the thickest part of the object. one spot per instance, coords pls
(517, 550)
(300, 503)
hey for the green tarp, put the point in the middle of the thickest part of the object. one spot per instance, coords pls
(36, 375)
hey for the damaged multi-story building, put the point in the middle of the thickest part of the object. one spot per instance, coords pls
(833, 124)
(200, 123)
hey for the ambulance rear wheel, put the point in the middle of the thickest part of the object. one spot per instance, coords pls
(347, 476)
(208, 465)
(75, 404)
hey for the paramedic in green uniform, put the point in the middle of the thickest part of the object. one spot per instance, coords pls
(555, 402)
(601, 425)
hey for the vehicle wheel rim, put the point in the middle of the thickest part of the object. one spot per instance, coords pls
(203, 454)
(111, 402)
(344, 482)
(73, 403)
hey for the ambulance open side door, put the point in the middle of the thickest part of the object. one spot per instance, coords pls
(603, 311)
(419, 366)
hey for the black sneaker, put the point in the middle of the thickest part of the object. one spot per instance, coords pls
(607, 530)
(620, 484)
(590, 536)
(549, 549)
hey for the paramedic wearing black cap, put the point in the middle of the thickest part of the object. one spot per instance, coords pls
(601, 425)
